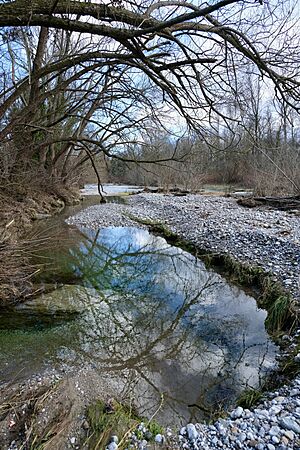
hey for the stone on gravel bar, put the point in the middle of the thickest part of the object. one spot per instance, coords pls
(236, 413)
(191, 431)
(290, 424)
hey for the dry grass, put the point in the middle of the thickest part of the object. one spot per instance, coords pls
(19, 207)
(15, 272)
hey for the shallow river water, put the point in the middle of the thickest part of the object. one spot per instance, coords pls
(151, 317)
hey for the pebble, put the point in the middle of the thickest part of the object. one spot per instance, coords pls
(112, 446)
(236, 413)
(290, 424)
(159, 439)
(191, 431)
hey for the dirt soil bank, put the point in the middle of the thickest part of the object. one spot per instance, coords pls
(17, 214)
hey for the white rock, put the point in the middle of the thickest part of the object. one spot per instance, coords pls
(274, 431)
(297, 358)
(237, 413)
(112, 446)
(159, 439)
(192, 432)
(290, 424)
(275, 410)
(289, 434)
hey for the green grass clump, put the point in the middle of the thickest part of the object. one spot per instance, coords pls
(154, 428)
(118, 420)
(106, 421)
(278, 314)
(249, 397)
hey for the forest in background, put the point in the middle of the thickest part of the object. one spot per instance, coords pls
(167, 93)
(261, 151)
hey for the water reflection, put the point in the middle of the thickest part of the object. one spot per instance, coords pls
(166, 329)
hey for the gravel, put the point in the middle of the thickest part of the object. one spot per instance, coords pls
(261, 237)
(269, 239)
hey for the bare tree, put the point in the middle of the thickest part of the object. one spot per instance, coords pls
(82, 77)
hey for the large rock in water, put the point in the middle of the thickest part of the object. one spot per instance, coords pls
(60, 305)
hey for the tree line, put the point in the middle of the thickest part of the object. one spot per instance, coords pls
(148, 85)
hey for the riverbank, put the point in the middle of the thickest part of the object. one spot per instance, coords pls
(261, 238)
(18, 212)
(268, 239)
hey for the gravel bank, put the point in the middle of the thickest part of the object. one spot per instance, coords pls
(266, 238)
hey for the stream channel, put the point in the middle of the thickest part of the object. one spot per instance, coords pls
(146, 315)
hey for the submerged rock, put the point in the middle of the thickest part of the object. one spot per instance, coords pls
(59, 305)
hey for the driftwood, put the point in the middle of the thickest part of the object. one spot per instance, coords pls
(283, 203)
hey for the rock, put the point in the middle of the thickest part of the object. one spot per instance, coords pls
(242, 437)
(59, 305)
(159, 439)
(148, 435)
(274, 431)
(260, 446)
(275, 410)
(85, 425)
(289, 434)
(297, 358)
(192, 432)
(112, 446)
(284, 440)
(236, 413)
(289, 424)
(294, 392)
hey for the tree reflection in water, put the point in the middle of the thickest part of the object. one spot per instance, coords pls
(164, 326)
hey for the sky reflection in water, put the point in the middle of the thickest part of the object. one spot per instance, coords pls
(160, 324)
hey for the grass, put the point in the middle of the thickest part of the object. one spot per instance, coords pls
(115, 419)
(249, 397)
(279, 314)
(105, 422)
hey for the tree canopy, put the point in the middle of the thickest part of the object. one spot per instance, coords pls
(88, 76)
